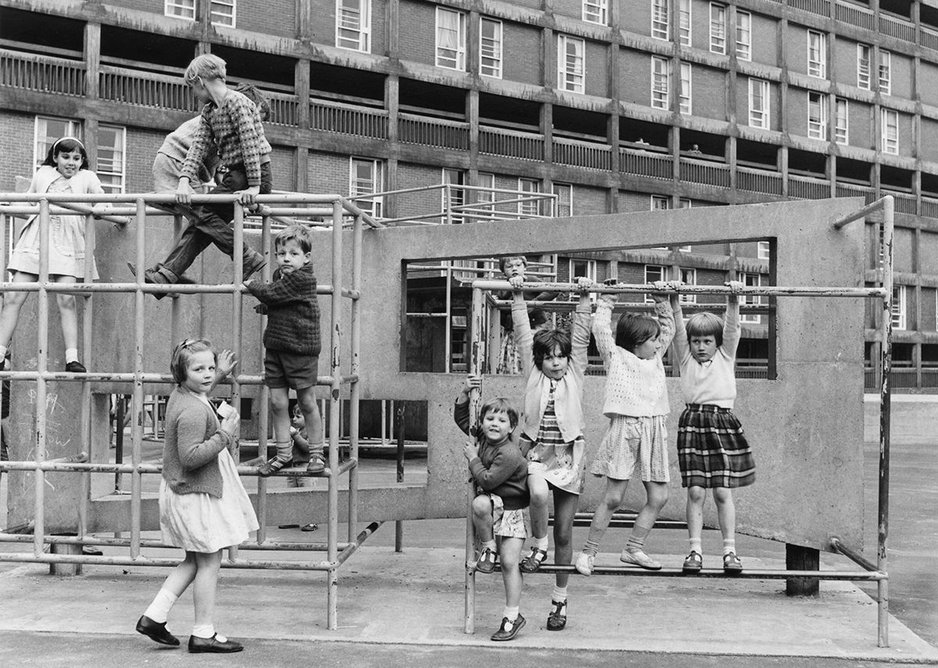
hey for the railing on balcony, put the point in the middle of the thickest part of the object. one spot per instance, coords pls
(928, 38)
(45, 74)
(897, 28)
(646, 163)
(283, 108)
(415, 129)
(591, 155)
(511, 143)
(348, 119)
(147, 89)
(708, 173)
(806, 187)
(862, 18)
(905, 203)
(820, 7)
(758, 181)
(846, 190)
(930, 207)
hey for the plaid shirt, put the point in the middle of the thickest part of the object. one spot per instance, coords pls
(235, 128)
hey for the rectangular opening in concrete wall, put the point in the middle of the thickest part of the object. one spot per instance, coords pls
(41, 33)
(333, 82)
(643, 134)
(145, 50)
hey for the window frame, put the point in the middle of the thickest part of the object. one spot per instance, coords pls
(170, 8)
(495, 70)
(530, 208)
(559, 189)
(685, 100)
(763, 250)
(817, 66)
(459, 52)
(595, 8)
(374, 206)
(660, 99)
(121, 175)
(688, 277)
(661, 19)
(223, 3)
(685, 22)
(746, 52)
(864, 65)
(458, 193)
(841, 130)
(754, 122)
(571, 81)
(41, 146)
(885, 72)
(750, 279)
(485, 197)
(660, 268)
(888, 144)
(718, 28)
(899, 307)
(363, 28)
(817, 129)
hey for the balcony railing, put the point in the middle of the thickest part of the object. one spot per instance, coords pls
(645, 163)
(846, 190)
(283, 109)
(41, 73)
(511, 143)
(862, 18)
(432, 132)
(758, 181)
(348, 119)
(708, 173)
(806, 187)
(820, 7)
(905, 203)
(930, 207)
(146, 89)
(928, 38)
(896, 28)
(591, 155)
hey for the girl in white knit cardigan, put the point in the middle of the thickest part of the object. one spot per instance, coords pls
(636, 403)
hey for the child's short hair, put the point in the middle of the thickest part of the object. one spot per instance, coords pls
(296, 233)
(546, 340)
(253, 93)
(537, 317)
(183, 352)
(500, 405)
(502, 261)
(206, 66)
(705, 324)
(633, 329)
(66, 145)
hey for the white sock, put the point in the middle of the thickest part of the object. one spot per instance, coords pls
(541, 543)
(203, 631)
(489, 544)
(729, 545)
(511, 613)
(161, 605)
(71, 355)
(695, 545)
(559, 594)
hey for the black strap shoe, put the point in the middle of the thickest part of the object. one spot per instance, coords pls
(557, 618)
(156, 631)
(213, 645)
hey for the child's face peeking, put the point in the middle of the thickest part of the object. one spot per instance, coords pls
(648, 349)
(200, 372)
(67, 163)
(291, 257)
(703, 348)
(514, 267)
(496, 426)
(554, 364)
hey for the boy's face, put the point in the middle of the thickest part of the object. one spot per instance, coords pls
(496, 426)
(514, 267)
(291, 257)
(703, 348)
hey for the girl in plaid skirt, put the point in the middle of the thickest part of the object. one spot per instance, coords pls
(712, 449)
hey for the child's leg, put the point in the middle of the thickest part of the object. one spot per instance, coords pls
(696, 496)
(280, 419)
(12, 303)
(203, 593)
(482, 519)
(656, 495)
(68, 315)
(173, 587)
(306, 398)
(726, 513)
(612, 499)
(509, 553)
(565, 506)
(537, 486)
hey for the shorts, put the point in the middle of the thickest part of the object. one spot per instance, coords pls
(283, 369)
(507, 523)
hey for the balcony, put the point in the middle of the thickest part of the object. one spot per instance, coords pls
(511, 143)
(857, 16)
(425, 131)
(808, 187)
(589, 155)
(705, 172)
(44, 74)
(646, 163)
(348, 119)
(146, 89)
(758, 181)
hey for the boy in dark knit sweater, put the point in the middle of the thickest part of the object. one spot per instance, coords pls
(292, 342)
(500, 473)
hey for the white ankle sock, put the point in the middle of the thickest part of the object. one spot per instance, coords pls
(541, 543)
(161, 605)
(729, 545)
(71, 355)
(559, 594)
(695, 545)
(511, 613)
(489, 544)
(203, 631)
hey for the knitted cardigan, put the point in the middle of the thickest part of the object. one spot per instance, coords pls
(292, 311)
(192, 442)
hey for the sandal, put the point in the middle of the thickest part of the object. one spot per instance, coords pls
(273, 465)
(693, 563)
(533, 561)
(557, 618)
(731, 564)
(317, 464)
(486, 563)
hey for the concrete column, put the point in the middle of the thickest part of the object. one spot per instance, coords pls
(92, 48)
(303, 23)
(799, 558)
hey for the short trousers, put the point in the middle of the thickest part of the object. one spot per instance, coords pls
(507, 523)
(283, 369)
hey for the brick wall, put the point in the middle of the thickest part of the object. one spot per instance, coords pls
(634, 77)
(797, 43)
(283, 168)
(417, 37)
(636, 15)
(572, 8)
(274, 17)
(629, 200)
(763, 39)
(142, 146)
(16, 144)
(588, 200)
(929, 137)
(155, 6)
(521, 59)
(928, 83)
(709, 92)
(410, 175)
(328, 173)
(844, 67)
(901, 76)
(596, 69)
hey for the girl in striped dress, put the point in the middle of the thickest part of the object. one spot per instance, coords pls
(554, 364)
(636, 404)
(712, 450)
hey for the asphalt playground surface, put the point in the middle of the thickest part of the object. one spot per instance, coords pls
(407, 609)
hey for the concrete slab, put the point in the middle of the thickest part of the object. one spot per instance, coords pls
(415, 598)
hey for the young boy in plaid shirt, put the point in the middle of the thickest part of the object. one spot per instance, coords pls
(292, 342)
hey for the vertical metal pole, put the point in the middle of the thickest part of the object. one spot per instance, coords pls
(355, 393)
(238, 257)
(334, 415)
(43, 365)
(84, 487)
(399, 524)
(476, 360)
(448, 338)
(3, 273)
(263, 412)
(885, 399)
(176, 313)
(137, 428)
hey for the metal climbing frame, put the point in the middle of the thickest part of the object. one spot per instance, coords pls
(340, 213)
(871, 572)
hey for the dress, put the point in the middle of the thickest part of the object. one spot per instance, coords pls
(559, 462)
(66, 233)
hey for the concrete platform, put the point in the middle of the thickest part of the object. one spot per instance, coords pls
(416, 599)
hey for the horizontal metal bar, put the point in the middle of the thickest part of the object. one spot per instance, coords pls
(350, 548)
(751, 574)
(174, 288)
(81, 467)
(153, 543)
(861, 213)
(22, 557)
(110, 216)
(771, 291)
(170, 198)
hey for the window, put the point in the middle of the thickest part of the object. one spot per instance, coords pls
(688, 277)
(885, 72)
(759, 103)
(863, 66)
(570, 67)
(743, 35)
(490, 48)
(654, 272)
(717, 28)
(660, 19)
(890, 131)
(596, 11)
(817, 115)
(180, 9)
(456, 199)
(660, 83)
(751, 281)
(366, 176)
(112, 140)
(563, 205)
(899, 307)
(660, 203)
(223, 13)
(585, 268)
(763, 250)
(686, 88)
(450, 39)
(529, 206)
(684, 18)
(841, 121)
(486, 197)
(49, 129)
(817, 54)
(353, 25)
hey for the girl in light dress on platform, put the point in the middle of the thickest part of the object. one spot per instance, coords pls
(203, 505)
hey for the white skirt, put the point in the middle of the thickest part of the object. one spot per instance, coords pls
(199, 522)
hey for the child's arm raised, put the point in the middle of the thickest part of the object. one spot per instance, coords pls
(461, 409)
(241, 112)
(224, 365)
(731, 331)
(680, 344)
(602, 322)
(524, 339)
(580, 332)
(664, 314)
